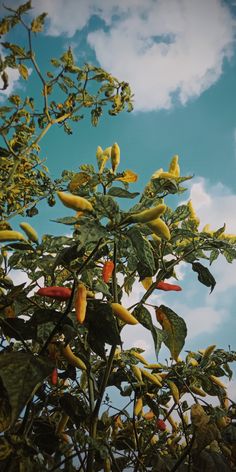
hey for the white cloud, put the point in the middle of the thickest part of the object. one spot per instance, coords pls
(166, 50)
(214, 204)
(202, 319)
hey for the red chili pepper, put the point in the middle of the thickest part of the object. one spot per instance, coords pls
(54, 377)
(107, 271)
(58, 293)
(160, 424)
(168, 287)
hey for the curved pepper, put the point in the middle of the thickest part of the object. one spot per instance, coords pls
(54, 376)
(153, 379)
(138, 406)
(9, 235)
(30, 232)
(74, 202)
(197, 390)
(115, 156)
(174, 390)
(81, 303)
(58, 293)
(137, 372)
(139, 357)
(168, 287)
(72, 358)
(123, 314)
(159, 228)
(107, 271)
(148, 215)
(174, 166)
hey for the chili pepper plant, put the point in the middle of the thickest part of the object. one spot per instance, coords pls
(62, 353)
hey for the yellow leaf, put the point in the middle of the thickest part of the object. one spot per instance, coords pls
(128, 176)
(23, 71)
(78, 180)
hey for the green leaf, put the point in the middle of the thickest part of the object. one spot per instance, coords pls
(17, 328)
(74, 407)
(106, 206)
(68, 220)
(229, 254)
(159, 336)
(219, 231)
(214, 255)
(100, 286)
(21, 373)
(101, 323)
(143, 251)
(91, 231)
(175, 328)
(180, 213)
(42, 316)
(204, 275)
(20, 246)
(122, 193)
(144, 317)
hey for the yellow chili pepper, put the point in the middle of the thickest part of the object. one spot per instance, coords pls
(72, 358)
(197, 390)
(167, 175)
(174, 390)
(137, 372)
(148, 215)
(115, 156)
(159, 228)
(193, 215)
(154, 366)
(30, 232)
(174, 166)
(8, 235)
(139, 357)
(74, 202)
(217, 381)
(138, 406)
(172, 422)
(151, 377)
(123, 314)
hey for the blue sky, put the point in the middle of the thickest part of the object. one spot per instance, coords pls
(179, 58)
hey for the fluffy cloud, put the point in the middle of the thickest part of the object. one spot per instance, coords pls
(168, 51)
(214, 204)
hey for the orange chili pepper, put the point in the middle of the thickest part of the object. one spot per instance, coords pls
(107, 271)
